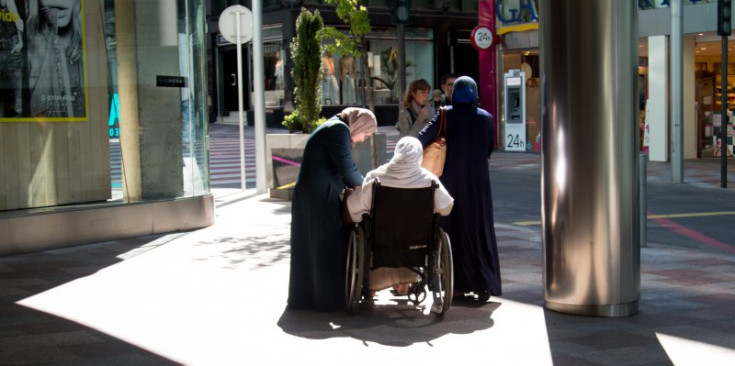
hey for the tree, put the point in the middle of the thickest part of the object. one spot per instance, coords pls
(306, 57)
(354, 14)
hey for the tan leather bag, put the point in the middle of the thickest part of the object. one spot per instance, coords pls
(435, 153)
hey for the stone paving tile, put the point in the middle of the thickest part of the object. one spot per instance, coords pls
(37, 356)
(568, 360)
(524, 293)
(46, 339)
(700, 333)
(13, 291)
(635, 355)
(684, 292)
(602, 341)
(110, 351)
(569, 347)
(120, 360)
(22, 281)
(49, 326)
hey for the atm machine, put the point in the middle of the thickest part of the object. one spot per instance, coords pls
(514, 83)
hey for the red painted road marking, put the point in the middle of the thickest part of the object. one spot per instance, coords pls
(693, 234)
(290, 162)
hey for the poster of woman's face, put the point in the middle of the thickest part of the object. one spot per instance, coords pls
(44, 79)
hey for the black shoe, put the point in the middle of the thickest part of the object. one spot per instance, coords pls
(483, 296)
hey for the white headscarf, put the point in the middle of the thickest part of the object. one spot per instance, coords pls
(403, 171)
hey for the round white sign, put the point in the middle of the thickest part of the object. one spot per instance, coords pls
(228, 24)
(482, 38)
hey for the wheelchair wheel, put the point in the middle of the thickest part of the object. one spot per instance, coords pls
(445, 274)
(355, 268)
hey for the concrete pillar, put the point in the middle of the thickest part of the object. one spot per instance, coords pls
(150, 116)
(589, 70)
(689, 98)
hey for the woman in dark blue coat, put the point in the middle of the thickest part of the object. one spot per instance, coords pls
(470, 226)
(318, 236)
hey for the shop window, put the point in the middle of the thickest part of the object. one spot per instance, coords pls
(273, 66)
(273, 69)
(383, 62)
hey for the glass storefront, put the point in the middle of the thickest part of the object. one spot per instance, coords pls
(181, 43)
(104, 105)
(342, 75)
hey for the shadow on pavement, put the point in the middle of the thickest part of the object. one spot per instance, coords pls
(397, 324)
(29, 336)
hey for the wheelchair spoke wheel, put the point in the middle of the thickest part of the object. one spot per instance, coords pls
(445, 274)
(355, 269)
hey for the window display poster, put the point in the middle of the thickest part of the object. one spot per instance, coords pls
(42, 61)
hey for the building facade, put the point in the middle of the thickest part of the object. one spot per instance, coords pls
(517, 24)
(436, 42)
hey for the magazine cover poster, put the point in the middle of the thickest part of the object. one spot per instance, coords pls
(42, 61)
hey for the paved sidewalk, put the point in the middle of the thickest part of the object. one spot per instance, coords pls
(216, 296)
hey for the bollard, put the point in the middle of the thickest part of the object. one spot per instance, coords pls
(642, 188)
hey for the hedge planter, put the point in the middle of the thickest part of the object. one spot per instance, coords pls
(284, 153)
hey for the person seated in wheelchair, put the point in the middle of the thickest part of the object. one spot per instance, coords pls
(402, 171)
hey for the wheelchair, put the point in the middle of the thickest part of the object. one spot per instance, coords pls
(401, 231)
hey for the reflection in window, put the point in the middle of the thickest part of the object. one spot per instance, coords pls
(274, 73)
(383, 62)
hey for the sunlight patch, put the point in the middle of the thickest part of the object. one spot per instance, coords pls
(682, 351)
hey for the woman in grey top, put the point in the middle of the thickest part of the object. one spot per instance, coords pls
(416, 111)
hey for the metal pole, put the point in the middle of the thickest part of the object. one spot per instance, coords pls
(589, 160)
(259, 97)
(243, 185)
(642, 204)
(401, 60)
(723, 115)
(676, 92)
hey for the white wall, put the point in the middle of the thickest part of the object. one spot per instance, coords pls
(657, 108)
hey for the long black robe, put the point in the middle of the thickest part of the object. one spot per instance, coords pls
(470, 225)
(318, 236)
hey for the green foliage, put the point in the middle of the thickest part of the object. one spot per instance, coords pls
(306, 57)
(294, 123)
(354, 14)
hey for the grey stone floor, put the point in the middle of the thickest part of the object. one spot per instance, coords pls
(217, 296)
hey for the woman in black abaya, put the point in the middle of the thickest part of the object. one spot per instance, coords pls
(470, 226)
(318, 235)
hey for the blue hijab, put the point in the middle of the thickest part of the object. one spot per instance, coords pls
(465, 91)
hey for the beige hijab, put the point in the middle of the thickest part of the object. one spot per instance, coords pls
(360, 120)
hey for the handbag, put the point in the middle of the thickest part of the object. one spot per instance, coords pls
(435, 153)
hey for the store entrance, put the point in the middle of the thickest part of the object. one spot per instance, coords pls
(708, 95)
(527, 61)
(466, 61)
(228, 80)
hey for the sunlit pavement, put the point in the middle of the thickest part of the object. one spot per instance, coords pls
(217, 297)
